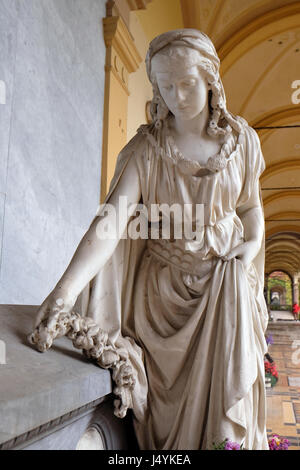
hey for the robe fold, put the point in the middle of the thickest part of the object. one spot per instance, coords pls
(191, 323)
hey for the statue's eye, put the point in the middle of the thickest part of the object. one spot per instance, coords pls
(168, 87)
(189, 82)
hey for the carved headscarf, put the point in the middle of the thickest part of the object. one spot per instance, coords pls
(221, 120)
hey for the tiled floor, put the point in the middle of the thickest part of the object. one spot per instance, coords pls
(283, 400)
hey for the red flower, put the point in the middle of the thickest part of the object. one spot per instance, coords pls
(270, 368)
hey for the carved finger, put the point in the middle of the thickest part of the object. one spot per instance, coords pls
(42, 313)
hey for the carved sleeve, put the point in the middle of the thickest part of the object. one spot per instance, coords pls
(253, 164)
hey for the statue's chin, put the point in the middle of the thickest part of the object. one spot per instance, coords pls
(186, 114)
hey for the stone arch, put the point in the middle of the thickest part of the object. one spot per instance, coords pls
(256, 31)
(284, 292)
(281, 294)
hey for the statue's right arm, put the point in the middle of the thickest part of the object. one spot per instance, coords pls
(93, 251)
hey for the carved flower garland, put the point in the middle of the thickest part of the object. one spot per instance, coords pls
(95, 343)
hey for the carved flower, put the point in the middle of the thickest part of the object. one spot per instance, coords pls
(216, 163)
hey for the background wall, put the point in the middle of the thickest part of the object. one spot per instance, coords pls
(140, 87)
(52, 64)
(160, 16)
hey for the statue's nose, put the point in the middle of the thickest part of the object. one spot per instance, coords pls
(180, 96)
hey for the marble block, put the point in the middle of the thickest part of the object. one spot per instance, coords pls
(52, 64)
(38, 388)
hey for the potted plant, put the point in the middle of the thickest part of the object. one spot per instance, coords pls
(271, 371)
(278, 443)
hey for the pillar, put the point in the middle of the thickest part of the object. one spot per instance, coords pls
(295, 289)
(122, 58)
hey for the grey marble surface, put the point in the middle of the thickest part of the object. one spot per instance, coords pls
(2, 211)
(8, 39)
(110, 432)
(51, 138)
(36, 388)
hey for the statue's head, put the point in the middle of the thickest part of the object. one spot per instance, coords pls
(188, 58)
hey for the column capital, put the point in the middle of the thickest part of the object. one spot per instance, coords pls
(116, 35)
(138, 4)
(122, 58)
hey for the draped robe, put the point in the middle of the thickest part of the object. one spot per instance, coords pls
(191, 323)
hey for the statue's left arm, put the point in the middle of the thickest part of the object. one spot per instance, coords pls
(249, 206)
(252, 217)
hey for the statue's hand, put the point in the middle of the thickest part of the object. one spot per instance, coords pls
(246, 252)
(57, 302)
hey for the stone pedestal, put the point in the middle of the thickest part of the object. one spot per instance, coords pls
(55, 400)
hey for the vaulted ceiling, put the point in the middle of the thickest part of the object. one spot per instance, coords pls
(258, 42)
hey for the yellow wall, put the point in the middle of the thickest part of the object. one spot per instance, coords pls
(140, 88)
(124, 114)
(122, 58)
(116, 124)
(160, 16)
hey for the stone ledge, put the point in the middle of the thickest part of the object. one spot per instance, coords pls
(37, 388)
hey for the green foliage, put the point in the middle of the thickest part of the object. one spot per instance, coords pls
(220, 446)
(285, 284)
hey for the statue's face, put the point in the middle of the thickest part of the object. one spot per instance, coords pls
(183, 87)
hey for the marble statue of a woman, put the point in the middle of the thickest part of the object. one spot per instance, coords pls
(180, 322)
